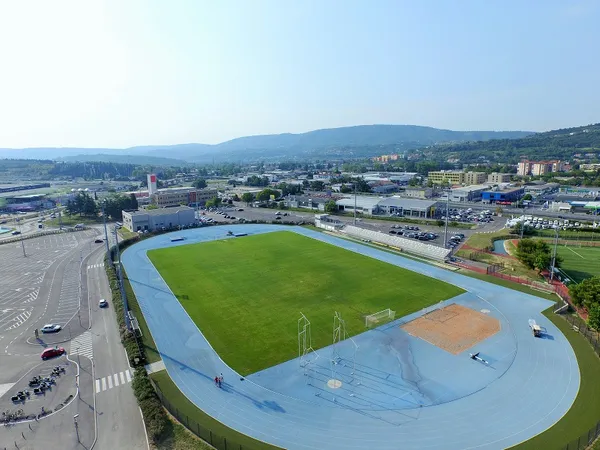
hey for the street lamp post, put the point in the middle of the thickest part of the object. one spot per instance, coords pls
(105, 229)
(22, 240)
(446, 223)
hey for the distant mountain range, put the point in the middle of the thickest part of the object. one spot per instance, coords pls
(357, 141)
(560, 144)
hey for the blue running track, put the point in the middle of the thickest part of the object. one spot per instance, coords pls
(397, 392)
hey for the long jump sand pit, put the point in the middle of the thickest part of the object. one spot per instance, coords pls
(454, 328)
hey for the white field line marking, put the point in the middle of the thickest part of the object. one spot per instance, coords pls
(575, 252)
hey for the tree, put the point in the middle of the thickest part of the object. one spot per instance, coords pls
(345, 189)
(265, 194)
(527, 197)
(213, 202)
(82, 204)
(331, 206)
(499, 210)
(536, 254)
(594, 317)
(247, 197)
(586, 293)
(151, 207)
(317, 185)
(199, 183)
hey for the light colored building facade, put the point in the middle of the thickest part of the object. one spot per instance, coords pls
(157, 219)
(165, 198)
(473, 178)
(449, 176)
(456, 177)
(496, 178)
(417, 192)
(468, 193)
(538, 168)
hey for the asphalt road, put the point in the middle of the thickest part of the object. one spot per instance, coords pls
(119, 418)
(59, 281)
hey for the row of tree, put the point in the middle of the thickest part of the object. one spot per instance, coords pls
(84, 205)
(587, 293)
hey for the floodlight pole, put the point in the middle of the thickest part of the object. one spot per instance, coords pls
(105, 229)
(554, 254)
(446, 223)
(355, 183)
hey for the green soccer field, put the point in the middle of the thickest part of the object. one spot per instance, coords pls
(580, 263)
(246, 294)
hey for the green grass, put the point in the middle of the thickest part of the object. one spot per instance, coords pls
(187, 409)
(152, 354)
(585, 412)
(69, 221)
(580, 263)
(484, 241)
(246, 294)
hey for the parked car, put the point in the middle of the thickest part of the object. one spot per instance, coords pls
(98, 241)
(102, 303)
(52, 352)
(51, 328)
(240, 209)
(14, 233)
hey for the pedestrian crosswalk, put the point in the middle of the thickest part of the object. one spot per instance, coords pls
(95, 266)
(82, 345)
(112, 381)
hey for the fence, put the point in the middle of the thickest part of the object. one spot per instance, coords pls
(581, 327)
(217, 441)
(37, 234)
(585, 440)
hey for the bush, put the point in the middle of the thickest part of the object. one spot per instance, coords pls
(154, 414)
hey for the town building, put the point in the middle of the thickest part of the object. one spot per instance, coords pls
(29, 202)
(417, 192)
(473, 178)
(503, 196)
(495, 178)
(538, 168)
(468, 193)
(158, 219)
(447, 176)
(456, 177)
(165, 198)
(407, 207)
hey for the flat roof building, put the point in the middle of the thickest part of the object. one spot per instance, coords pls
(468, 193)
(407, 207)
(157, 219)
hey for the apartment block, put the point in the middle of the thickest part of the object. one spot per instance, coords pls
(497, 178)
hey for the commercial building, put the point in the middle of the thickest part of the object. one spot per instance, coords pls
(495, 178)
(29, 202)
(504, 196)
(541, 188)
(456, 177)
(417, 192)
(364, 204)
(157, 219)
(468, 193)
(407, 207)
(165, 198)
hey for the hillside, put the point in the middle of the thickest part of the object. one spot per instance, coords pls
(560, 144)
(348, 142)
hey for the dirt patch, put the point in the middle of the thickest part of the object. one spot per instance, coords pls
(454, 328)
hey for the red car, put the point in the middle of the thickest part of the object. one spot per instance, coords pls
(52, 352)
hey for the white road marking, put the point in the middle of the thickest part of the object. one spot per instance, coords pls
(97, 386)
(122, 378)
(116, 376)
(128, 375)
(110, 384)
(103, 384)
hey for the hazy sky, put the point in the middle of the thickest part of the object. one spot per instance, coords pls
(125, 72)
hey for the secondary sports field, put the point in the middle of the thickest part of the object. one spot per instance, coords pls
(580, 263)
(246, 294)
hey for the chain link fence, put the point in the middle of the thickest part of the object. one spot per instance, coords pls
(217, 441)
(585, 440)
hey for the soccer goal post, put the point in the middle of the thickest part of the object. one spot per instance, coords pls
(379, 317)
